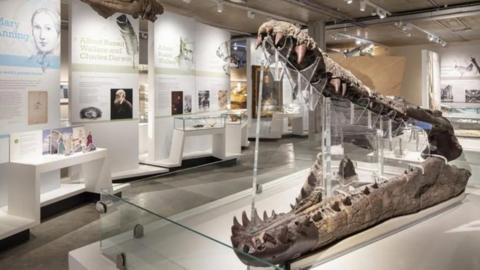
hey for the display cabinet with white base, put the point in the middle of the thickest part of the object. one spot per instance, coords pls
(35, 182)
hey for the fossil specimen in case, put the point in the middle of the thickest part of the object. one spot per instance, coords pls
(315, 222)
(146, 9)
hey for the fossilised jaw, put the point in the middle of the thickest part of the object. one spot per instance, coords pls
(297, 49)
(146, 9)
(274, 239)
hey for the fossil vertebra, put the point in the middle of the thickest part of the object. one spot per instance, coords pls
(146, 9)
(315, 222)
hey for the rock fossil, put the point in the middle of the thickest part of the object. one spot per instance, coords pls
(146, 9)
(315, 222)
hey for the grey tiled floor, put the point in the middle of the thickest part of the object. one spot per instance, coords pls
(52, 240)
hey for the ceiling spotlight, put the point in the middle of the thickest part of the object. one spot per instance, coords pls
(431, 38)
(381, 13)
(220, 6)
(251, 14)
(358, 42)
(349, 2)
(363, 5)
(187, 1)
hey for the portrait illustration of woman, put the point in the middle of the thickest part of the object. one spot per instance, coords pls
(46, 36)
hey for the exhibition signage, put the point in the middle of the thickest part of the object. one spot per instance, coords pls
(29, 64)
(104, 60)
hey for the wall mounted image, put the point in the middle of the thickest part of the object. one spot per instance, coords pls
(90, 113)
(177, 102)
(472, 96)
(187, 103)
(37, 107)
(204, 100)
(121, 106)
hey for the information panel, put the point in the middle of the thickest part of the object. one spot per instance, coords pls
(29, 64)
(104, 59)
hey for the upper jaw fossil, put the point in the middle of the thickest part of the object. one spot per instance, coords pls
(315, 222)
(146, 9)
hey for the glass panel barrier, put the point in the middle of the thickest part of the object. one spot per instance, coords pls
(136, 238)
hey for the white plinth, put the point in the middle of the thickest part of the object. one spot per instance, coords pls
(35, 182)
(221, 145)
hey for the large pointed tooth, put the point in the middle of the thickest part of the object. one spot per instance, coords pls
(245, 219)
(259, 41)
(303, 193)
(236, 223)
(274, 215)
(301, 50)
(265, 215)
(278, 37)
(292, 206)
(256, 218)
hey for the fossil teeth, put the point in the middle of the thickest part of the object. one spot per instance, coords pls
(278, 37)
(259, 41)
(256, 218)
(301, 50)
(265, 215)
(245, 219)
(304, 193)
(236, 223)
(274, 215)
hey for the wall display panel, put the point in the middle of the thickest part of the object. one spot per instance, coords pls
(26, 144)
(104, 55)
(29, 64)
(460, 80)
(104, 82)
(174, 49)
(190, 58)
(4, 149)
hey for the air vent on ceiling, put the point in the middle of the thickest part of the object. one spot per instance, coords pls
(455, 25)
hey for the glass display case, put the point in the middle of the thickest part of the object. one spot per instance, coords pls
(236, 116)
(199, 122)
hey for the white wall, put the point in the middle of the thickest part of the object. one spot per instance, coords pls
(412, 82)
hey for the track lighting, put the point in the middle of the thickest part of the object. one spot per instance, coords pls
(220, 6)
(251, 14)
(377, 10)
(363, 5)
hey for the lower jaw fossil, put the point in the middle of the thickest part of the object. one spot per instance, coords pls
(313, 223)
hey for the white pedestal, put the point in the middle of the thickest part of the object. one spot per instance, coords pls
(35, 182)
(220, 146)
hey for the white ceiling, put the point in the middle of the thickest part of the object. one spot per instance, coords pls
(234, 17)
